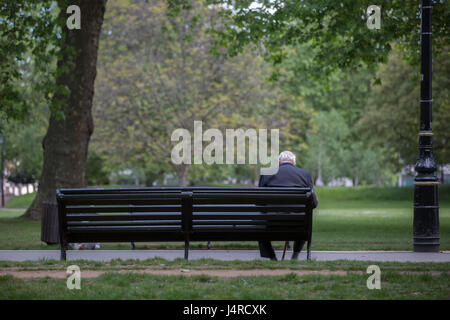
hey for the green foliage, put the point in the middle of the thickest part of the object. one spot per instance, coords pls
(325, 145)
(365, 164)
(335, 146)
(96, 173)
(156, 74)
(344, 90)
(29, 38)
(391, 117)
(336, 29)
(23, 146)
(204, 175)
(335, 151)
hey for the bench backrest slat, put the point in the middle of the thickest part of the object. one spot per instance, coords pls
(122, 208)
(123, 217)
(249, 208)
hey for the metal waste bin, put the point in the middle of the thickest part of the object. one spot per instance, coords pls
(49, 224)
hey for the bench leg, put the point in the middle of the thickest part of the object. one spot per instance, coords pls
(209, 245)
(308, 254)
(63, 251)
(133, 246)
(186, 249)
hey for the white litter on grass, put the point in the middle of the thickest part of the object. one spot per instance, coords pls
(85, 246)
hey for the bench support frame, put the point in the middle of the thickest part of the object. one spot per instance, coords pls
(186, 220)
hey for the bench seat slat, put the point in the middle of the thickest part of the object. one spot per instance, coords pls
(247, 235)
(242, 228)
(125, 236)
(225, 228)
(248, 222)
(125, 223)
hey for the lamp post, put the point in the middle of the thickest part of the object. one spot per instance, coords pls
(426, 206)
(2, 142)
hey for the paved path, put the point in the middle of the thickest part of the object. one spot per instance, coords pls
(226, 255)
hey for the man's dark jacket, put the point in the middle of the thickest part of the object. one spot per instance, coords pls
(289, 175)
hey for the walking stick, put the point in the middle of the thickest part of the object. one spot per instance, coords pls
(284, 251)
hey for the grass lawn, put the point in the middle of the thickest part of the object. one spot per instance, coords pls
(362, 218)
(139, 286)
(398, 280)
(20, 202)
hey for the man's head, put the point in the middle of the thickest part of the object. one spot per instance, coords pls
(286, 156)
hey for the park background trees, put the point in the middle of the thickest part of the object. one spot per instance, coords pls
(157, 74)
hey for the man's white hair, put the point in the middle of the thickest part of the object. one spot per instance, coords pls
(287, 156)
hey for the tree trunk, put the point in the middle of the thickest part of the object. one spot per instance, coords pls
(182, 172)
(256, 175)
(66, 141)
(136, 180)
(355, 180)
(148, 182)
(319, 166)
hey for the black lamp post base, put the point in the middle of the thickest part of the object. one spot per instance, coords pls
(426, 247)
(426, 235)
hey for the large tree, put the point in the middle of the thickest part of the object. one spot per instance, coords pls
(66, 141)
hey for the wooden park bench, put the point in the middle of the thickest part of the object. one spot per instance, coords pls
(184, 214)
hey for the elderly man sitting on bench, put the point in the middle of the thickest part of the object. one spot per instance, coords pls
(288, 175)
